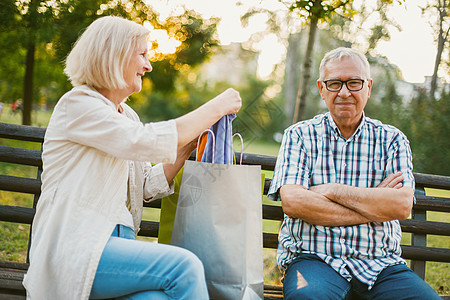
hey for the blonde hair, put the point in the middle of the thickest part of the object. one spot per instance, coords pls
(340, 53)
(100, 54)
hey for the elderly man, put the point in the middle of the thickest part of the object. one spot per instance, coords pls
(344, 181)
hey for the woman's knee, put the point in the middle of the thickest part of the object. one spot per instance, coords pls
(190, 263)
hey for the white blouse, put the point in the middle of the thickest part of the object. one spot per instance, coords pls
(92, 155)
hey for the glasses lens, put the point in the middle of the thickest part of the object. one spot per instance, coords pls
(355, 84)
(334, 85)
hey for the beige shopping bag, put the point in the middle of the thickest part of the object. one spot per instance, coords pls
(219, 218)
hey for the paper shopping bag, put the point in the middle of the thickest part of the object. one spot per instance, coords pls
(219, 218)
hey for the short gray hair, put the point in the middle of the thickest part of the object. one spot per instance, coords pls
(339, 53)
(101, 52)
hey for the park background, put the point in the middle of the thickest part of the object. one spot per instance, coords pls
(268, 50)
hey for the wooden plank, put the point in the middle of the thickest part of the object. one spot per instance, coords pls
(425, 227)
(149, 228)
(154, 204)
(267, 162)
(21, 156)
(20, 184)
(11, 297)
(273, 292)
(272, 212)
(13, 265)
(11, 282)
(432, 203)
(432, 181)
(16, 214)
(426, 253)
(270, 240)
(22, 132)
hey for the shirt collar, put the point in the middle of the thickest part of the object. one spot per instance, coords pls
(337, 133)
(94, 93)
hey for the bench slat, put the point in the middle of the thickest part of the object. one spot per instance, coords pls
(20, 184)
(432, 203)
(22, 132)
(21, 156)
(149, 229)
(425, 227)
(432, 181)
(16, 214)
(25, 215)
(425, 253)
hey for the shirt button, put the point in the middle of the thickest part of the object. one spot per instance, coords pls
(342, 241)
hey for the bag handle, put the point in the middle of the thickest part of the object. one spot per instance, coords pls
(242, 145)
(214, 143)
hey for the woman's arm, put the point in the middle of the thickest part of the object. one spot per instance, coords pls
(183, 153)
(192, 124)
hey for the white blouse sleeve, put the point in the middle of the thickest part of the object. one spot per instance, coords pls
(94, 122)
(155, 183)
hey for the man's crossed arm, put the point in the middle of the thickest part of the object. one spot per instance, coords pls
(334, 204)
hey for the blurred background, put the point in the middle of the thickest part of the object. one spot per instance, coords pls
(268, 50)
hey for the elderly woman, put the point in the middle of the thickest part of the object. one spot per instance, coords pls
(96, 176)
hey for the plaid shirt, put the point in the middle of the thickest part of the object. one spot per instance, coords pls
(314, 152)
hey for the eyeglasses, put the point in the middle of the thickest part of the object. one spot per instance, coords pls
(353, 85)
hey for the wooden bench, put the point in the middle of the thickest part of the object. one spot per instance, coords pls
(11, 273)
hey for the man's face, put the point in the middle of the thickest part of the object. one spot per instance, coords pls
(345, 106)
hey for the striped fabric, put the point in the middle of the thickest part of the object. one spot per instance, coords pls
(314, 152)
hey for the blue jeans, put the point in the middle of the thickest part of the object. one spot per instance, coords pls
(132, 269)
(309, 277)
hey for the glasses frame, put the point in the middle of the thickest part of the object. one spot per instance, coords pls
(344, 82)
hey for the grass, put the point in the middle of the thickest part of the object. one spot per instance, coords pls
(14, 236)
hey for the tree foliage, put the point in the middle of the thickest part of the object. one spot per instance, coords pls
(439, 13)
(326, 11)
(37, 35)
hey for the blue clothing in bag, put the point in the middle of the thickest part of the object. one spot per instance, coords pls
(223, 132)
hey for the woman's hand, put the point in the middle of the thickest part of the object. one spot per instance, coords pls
(228, 102)
(192, 124)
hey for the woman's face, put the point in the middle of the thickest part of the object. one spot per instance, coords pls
(137, 66)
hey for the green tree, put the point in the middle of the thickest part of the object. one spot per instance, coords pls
(441, 27)
(426, 123)
(37, 35)
(322, 11)
(198, 37)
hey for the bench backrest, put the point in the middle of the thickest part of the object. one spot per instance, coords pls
(417, 225)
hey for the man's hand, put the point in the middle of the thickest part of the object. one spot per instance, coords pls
(393, 181)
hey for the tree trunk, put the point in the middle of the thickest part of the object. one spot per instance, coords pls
(442, 38)
(292, 75)
(31, 24)
(302, 94)
(28, 85)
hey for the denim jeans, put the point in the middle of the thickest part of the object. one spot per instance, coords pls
(132, 269)
(309, 277)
